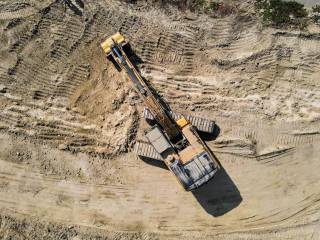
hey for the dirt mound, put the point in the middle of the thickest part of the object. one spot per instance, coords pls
(57, 86)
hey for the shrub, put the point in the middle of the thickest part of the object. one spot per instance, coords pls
(316, 14)
(279, 12)
(316, 9)
(214, 6)
(196, 5)
(220, 8)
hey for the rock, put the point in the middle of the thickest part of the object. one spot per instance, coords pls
(191, 16)
(36, 94)
(3, 88)
(62, 147)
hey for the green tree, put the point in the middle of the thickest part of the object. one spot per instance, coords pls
(279, 12)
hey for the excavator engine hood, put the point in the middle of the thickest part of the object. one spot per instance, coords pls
(195, 173)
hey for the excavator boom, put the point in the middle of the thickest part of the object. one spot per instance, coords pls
(114, 49)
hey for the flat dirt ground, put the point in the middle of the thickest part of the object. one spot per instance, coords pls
(68, 121)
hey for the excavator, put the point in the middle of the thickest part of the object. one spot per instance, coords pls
(172, 138)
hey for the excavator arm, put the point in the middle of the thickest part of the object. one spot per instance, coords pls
(113, 46)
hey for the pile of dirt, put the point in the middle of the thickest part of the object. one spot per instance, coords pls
(57, 86)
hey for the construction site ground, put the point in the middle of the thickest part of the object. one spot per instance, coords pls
(69, 120)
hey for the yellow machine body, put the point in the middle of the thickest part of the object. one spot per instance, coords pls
(176, 142)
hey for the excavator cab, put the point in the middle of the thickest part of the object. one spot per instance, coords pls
(191, 161)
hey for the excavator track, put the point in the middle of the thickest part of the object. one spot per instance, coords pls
(202, 124)
(143, 149)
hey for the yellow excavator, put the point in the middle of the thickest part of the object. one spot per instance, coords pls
(172, 138)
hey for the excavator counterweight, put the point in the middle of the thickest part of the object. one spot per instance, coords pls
(172, 138)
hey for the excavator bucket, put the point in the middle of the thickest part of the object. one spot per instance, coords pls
(116, 38)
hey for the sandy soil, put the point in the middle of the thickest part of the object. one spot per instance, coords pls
(69, 120)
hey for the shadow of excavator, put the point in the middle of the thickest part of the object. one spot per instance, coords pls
(212, 136)
(133, 57)
(154, 162)
(219, 196)
(75, 6)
